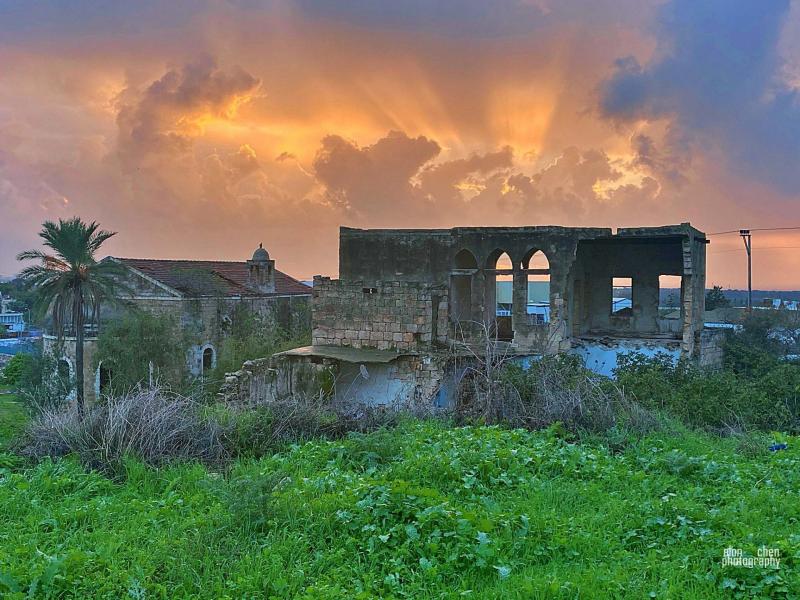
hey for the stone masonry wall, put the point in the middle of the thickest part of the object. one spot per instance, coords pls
(412, 380)
(66, 351)
(278, 377)
(711, 351)
(401, 316)
(207, 322)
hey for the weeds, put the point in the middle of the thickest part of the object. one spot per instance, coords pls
(149, 424)
(422, 511)
(555, 389)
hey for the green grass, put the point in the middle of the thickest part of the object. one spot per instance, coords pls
(13, 417)
(425, 511)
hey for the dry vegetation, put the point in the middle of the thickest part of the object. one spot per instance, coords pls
(151, 425)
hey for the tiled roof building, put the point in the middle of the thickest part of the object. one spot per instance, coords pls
(202, 299)
(212, 278)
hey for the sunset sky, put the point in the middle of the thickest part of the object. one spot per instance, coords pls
(199, 129)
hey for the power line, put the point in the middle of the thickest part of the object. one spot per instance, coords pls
(759, 248)
(757, 229)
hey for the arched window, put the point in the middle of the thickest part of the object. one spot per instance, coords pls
(209, 359)
(64, 370)
(537, 306)
(103, 377)
(505, 285)
(465, 260)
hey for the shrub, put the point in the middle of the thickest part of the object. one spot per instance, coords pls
(252, 336)
(15, 368)
(42, 383)
(264, 429)
(755, 349)
(764, 396)
(555, 389)
(128, 345)
(148, 424)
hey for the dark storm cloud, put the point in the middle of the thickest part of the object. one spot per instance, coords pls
(718, 72)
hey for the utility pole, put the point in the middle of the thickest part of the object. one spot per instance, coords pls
(745, 233)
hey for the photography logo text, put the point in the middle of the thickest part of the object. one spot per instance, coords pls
(765, 557)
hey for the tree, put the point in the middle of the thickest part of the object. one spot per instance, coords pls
(70, 283)
(129, 345)
(715, 298)
(14, 369)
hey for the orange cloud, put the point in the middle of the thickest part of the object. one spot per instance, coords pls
(305, 119)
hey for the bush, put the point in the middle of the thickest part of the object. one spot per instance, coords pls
(43, 383)
(15, 368)
(251, 336)
(265, 429)
(755, 349)
(147, 424)
(128, 345)
(764, 397)
(555, 389)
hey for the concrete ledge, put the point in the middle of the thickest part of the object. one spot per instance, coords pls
(347, 354)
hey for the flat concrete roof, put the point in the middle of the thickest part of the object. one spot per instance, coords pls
(681, 229)
(346, 354)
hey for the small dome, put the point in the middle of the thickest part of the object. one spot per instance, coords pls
(260, 255)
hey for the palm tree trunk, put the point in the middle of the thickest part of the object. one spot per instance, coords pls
(79, 333)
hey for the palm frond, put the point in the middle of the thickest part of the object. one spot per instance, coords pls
(71, 283)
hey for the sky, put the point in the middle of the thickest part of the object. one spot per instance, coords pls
(201, 129)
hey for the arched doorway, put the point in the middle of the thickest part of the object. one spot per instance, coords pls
(500, 294)
(209, 360)
(65, 374)
(103, 379)
(64, 370)
(537, 289)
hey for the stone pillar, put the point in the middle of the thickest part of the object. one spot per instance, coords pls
(489, 298)
(644, 299)
(598, 290)
(692, 295)
(558, 335)
(519, 296)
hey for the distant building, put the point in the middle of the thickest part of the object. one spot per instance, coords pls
(538, 301)
(620, 304)
(779, 304)
(12, 323)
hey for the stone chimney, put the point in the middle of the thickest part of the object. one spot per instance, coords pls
(261, 271)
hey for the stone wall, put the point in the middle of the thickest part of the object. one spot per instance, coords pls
(206, 322)
(395, 315)
(266, 380)
(710, 351)
(65, 350)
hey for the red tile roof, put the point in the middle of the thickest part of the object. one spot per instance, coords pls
(211, 277)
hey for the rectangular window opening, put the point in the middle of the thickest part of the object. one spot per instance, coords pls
(621, 303)
(669, 292)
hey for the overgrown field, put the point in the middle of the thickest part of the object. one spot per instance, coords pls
(422, 511)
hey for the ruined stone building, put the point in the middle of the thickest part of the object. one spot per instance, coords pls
(201, 297)
(407, 298)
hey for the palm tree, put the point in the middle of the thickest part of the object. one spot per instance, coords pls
(70, 282)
